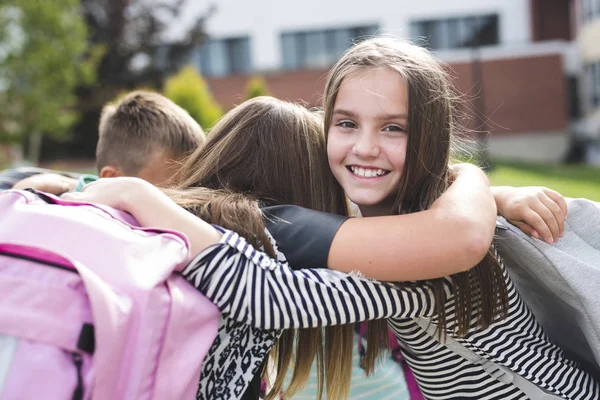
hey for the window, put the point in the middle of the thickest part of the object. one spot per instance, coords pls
(319, 48)
(453, 33)
(593, 83)
(590, 9)
(573, 97)
(221, 57)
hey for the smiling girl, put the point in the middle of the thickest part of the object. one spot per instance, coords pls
(368, 138)
(390, 122)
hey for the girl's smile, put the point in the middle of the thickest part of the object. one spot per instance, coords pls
(367, 138)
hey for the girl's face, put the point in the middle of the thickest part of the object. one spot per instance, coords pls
(367, 138)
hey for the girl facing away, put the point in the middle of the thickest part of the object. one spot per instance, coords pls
(263, 308)
(276, 151)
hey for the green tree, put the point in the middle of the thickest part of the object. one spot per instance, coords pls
(256, 87)
(142, 47)
(189, 90)
(44, 57)
(144, 42)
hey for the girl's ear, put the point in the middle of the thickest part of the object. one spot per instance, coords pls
(110, 172)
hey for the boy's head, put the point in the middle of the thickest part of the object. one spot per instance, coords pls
(142, 135)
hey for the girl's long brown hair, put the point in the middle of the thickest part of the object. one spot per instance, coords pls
(480, 294)
(272, 151)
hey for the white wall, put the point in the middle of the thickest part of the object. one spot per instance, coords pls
(547, 147)
(589, 46)
(589, 41)
(264, 20)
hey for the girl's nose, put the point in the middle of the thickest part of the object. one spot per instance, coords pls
(366, 146)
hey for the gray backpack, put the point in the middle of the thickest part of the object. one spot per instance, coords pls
(560, 282)
(561, 285)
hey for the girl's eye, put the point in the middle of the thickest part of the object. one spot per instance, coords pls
(346, 124)
(395, 128)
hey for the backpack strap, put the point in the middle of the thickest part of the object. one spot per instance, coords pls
(496, 371)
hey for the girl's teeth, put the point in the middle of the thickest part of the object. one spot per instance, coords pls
(367, 173)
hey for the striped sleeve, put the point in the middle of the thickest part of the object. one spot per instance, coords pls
(250, 287)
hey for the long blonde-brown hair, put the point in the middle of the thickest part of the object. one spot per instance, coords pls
(480, 293)
(272, 151)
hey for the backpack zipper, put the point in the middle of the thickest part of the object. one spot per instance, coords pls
(78, 361)
(37, 260)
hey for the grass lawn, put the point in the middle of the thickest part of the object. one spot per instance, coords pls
(570, 180)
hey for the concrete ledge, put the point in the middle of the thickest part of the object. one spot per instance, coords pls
(549, 147)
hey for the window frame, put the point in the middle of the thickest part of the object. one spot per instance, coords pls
(426, 31)
(334, 43)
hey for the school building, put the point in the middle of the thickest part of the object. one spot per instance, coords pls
(517, 60)
(588, 37)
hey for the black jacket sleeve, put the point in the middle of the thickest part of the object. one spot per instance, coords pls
(303, 235)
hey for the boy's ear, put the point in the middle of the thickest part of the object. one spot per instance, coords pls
(110, 172)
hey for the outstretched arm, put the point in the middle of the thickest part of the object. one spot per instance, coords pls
(452, 236)
(149, 206)
(47, 182)
(250, 287)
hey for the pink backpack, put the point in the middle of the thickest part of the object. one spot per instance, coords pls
(91, 306)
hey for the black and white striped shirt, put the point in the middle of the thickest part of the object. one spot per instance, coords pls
(259, 296)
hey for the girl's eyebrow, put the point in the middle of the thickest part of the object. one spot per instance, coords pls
(381, 117)
(388, 117)
(346, 113)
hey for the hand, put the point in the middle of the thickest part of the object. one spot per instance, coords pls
(121, 193)
(538, 211)
(149, 206)
(49, 183)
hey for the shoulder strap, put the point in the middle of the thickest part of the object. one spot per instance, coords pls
(496, 371)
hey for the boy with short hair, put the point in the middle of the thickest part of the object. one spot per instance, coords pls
(144, 135)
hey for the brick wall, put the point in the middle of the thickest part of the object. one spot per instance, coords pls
(520, 95)
(306, 86)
